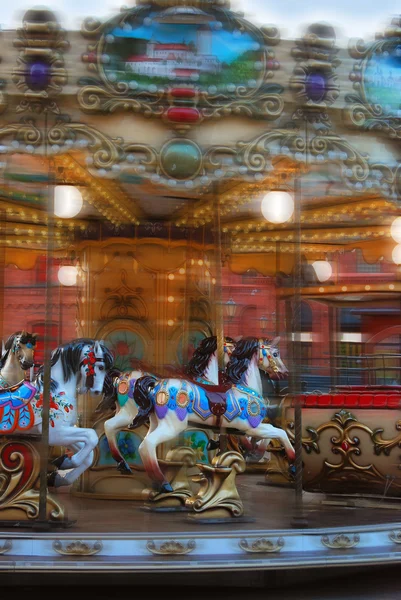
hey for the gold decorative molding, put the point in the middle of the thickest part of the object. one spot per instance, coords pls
(340, 542)
(395, 536)
(218, 497)
(42, 43)
(77, 548)
(171, 547)
(108, 89)
(6, 547)
(261, 545)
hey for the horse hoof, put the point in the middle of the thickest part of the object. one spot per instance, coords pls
(57, 462)
(166, 488)
(123, 467)
(51, 478)
(212, 445)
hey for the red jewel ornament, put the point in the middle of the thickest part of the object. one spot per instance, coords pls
(345, 446)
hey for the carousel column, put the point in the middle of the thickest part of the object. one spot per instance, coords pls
(299, 519)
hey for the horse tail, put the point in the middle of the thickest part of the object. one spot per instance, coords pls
(142, 399)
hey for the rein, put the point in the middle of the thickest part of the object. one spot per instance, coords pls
(89, 361)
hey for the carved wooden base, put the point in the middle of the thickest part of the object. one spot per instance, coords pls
(19, 484)
(218, 497)
(175, 467)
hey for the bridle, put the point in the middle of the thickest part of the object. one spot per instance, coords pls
(89, 361)
(265, 349)
(16, 349)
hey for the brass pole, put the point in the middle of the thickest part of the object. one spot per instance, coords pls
(43, 523)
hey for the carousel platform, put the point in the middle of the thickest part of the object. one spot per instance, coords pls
(121, 536)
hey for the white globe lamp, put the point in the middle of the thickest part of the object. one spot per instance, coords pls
(396, 254)
(67, 275)
(323, 270)
(395, 230)
(277, 206)
(67, 201)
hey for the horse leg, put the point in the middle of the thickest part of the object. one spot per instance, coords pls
(112, 427)
(267, 431)
(164, 431)
(68, 436)
(67, 477)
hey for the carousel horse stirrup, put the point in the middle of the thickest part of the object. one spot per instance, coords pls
(57, 462)
(123, 467)
(213, 445)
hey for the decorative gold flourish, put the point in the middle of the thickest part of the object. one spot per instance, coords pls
(316, 56)
(44, 41)
(19, 475)
(175, 468)
(340, 542)
(6, 547)
(362, 112)
(171, 547)
(262, 545)
(218, 494)
(255, 98)
(395, 536)
(77, 548)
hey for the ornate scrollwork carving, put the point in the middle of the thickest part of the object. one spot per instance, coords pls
(123, 302)
(196, 85)
(314, 82)
(19, 474)
(6, 547)
(395, 536)
(171, 547)
(340, 542)
(77, 548)
(262, 545)
(371, 107)
(346, 445)
(40, 73)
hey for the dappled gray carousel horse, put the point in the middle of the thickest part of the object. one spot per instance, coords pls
(83, 362)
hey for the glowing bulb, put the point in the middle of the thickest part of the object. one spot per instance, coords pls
(395, 230)
(181, 271)
(171, 276)
(396, 255)
(170, 322)
(277, 207)
(67, 201)
(67, 275)
(322, 269)
(200, 262)
(170, 298)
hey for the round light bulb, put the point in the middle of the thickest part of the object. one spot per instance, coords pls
(395, 230)
(396, 254)
(277, 207)
(67, 201)
(323, 269)
(67, 275)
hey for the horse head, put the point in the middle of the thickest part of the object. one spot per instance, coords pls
(270, 360)
(22, 345)
(96, 361)
(229, 345)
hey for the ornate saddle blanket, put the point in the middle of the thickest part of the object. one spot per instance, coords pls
(216, 396)
(16, 412)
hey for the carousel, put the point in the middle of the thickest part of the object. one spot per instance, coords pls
(200, 236)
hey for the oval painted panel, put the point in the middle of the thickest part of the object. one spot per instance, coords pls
(383, 80)
(154, 49)
(128, 444)
(127, 347)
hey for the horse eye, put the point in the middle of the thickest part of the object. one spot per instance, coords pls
(101, 368)
(275, 355)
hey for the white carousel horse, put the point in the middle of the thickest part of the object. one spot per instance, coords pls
(17, 358)
(119, 392)
(173, 404)
(83, 361)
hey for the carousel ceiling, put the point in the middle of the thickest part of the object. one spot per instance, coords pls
(128, 112)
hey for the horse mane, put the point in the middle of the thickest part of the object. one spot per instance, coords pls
(240, 358)
(201, 357)
(109, 397)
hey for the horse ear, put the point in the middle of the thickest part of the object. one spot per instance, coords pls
(35, 335)
(238, 338)
(23, 333)
(275, 341)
